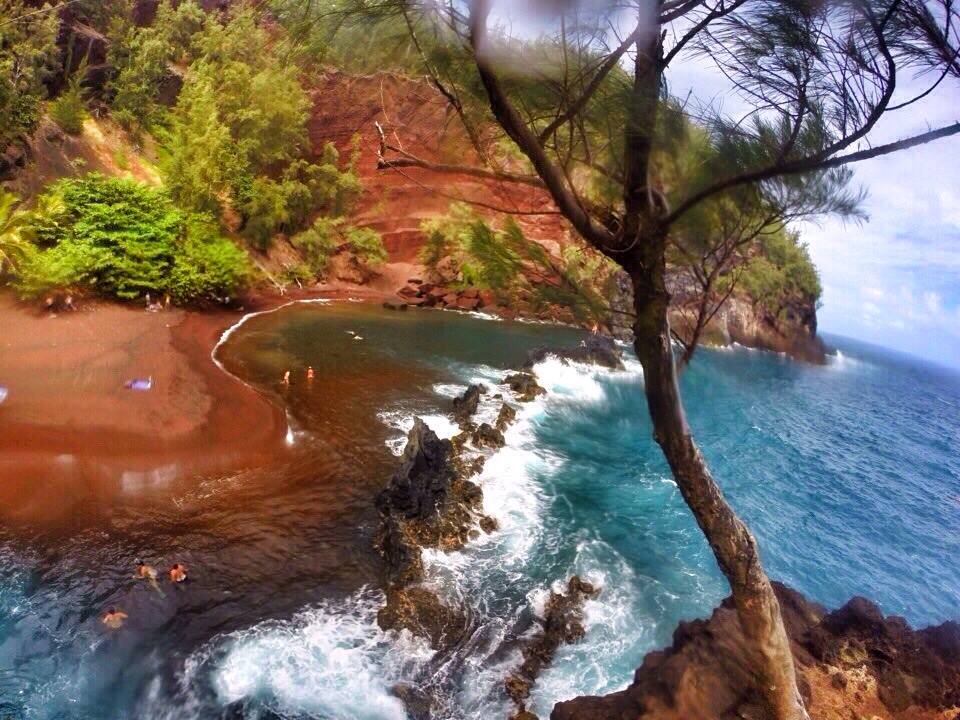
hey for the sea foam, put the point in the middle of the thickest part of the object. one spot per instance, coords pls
(330, 661)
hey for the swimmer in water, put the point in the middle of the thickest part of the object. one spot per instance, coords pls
(310, 373)
(286, 378)
(178, 573)
(148, 573)
(113, 618)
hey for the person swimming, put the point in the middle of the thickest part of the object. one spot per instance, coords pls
(286, 378)
(310, 373)
(113, 618)
(178, 573)
(148, 573)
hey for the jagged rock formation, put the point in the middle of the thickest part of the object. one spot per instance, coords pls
(853, 663)
(562, 623)
(427, 503)
(465, 405)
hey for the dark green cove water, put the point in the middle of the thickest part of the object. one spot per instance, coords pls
(849, 474)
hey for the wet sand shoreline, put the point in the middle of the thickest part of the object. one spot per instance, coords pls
(71, 435)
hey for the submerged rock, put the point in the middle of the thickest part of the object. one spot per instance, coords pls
(417, 703)
(595, 350)
(419, 610)
(505, 417)
(524, 385)
(562, 623)
(488, 436)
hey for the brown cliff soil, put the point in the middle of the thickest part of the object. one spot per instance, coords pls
(416, 117)
(855, 664)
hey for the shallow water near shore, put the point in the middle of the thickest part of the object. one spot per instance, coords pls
(849, 475)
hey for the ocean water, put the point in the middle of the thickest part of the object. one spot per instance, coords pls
(849, 475)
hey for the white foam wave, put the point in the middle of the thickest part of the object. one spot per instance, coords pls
(402, 421)
(329, 661)
(615, 631)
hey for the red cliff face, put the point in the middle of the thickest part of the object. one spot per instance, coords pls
(416, 117)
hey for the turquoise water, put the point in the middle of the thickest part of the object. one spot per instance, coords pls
(848, 474)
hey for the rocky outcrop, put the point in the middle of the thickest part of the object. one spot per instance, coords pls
(465, 405)
(595, 350)
(562, 623)
(428, 503)
(525, 385)
(792, 329)
(853, 663)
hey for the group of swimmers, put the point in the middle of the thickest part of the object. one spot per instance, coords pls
(113, 618)
(286, 375)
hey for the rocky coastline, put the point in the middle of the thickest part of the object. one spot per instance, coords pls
(854, 664)
(431, 502)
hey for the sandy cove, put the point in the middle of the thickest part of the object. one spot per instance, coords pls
(71, 434)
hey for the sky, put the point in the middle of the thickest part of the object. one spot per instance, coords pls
(893, 279)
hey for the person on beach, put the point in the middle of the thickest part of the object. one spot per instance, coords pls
(178, 573)
(113, 618)
(310, 373)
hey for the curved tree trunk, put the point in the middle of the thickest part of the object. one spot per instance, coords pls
(732, 543)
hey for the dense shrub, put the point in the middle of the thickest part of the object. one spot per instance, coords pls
(506, 261)
(119, 238)
(367, 244)
(317, 244)
(327, 235)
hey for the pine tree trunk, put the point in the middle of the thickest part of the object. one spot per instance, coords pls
(732, 543)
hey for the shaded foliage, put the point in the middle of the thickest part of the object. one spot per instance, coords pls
(506, 261)
(28, 53)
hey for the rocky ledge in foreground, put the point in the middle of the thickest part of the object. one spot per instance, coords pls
(854, 663)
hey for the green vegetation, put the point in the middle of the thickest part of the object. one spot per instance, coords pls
(144, 58)
(321, 240)
(68, 109)
(13, 235)
(236, 137)
(780, 272)
(511, 265)
(27, 55)
(119, 238)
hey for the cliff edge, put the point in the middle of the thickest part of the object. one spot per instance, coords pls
(854, 664)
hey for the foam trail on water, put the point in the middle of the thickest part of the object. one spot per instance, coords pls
(329, 661)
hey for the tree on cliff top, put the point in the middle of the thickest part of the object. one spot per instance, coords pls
(819, 77)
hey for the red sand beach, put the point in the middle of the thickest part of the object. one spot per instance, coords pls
(71, 434)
